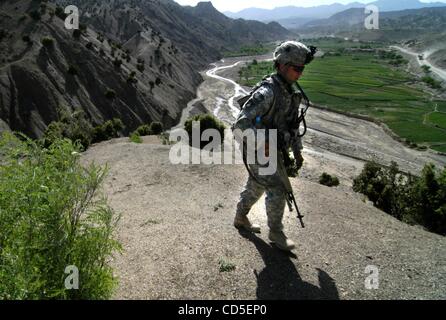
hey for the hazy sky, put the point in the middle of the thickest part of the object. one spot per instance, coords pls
(237, 5)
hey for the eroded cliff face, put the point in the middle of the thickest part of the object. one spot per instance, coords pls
(147, 53)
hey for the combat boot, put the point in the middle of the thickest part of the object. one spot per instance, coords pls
(281, 241)
(242, 222)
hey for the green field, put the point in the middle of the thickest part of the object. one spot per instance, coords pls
(361, 83)
(251, 50)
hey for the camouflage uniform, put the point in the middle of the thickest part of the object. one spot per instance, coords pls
(282, 102)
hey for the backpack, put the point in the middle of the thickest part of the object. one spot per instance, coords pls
(244, 99)
(269, 79)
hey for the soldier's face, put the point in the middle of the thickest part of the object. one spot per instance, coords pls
(291, 73)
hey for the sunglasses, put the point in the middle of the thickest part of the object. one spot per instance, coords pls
(298, 69)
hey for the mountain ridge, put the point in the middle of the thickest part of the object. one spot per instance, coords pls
(293, 16)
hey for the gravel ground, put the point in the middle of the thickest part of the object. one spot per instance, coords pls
(176, 227)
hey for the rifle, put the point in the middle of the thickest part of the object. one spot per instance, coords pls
(282, 155)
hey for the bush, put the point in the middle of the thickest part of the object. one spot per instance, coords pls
(431, 82)
(117, 63)
(82, 27)
(63, 221)
(60, 13)
(110, 94)
(140, 67)
(72, 70)
(131, 78)
(207, 121)
(73, 126)
(328, 180)
(144, 130)
(135, 137)
(35, 15)
(27, 39)
(89, 45)
(156, 127)
(108, 130)
(77, 33)
(426, 68)
(415, 200)
(47, 42)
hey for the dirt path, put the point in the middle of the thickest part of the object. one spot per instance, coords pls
(438, 71)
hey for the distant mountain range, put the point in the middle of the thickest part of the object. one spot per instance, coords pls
(293, 17)
(419, 24)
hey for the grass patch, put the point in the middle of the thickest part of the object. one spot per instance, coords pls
(226, 266)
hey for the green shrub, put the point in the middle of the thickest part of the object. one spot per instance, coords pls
(415, 200)
(117, 62)
(72, 70)
(110, 94)
(47, 42)
(144, 130)
(226, 266)
(431, 82)
(77, 33)
(35, 14)
(426, 68)
(140, 67)
(135, 137)
(131, 78)
(60, 13)
(73, 126)
(156, 127)
(108, 130)
(26, 39)
(52, 215)
(207, 121)
(328, 180)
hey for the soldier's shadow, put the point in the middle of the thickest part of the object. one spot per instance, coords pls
(280, 279)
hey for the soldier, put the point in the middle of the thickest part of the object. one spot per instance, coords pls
(274, 104)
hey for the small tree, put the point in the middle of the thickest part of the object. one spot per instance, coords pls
(47, 42)
(207, 121)
(77, 33)
(156, 127)
(110, 94)
(72, 70)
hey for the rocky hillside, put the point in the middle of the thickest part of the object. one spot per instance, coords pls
(135, 60)
(394, 25)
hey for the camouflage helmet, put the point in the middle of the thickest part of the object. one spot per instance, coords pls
(294, 52)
